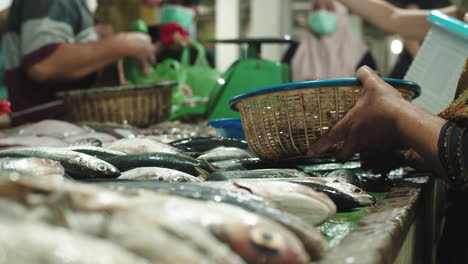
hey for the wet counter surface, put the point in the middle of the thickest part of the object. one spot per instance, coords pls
(396, 230)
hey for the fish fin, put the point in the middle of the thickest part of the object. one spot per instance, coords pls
(203, 173)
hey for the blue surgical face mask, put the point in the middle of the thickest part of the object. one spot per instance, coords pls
(322, 22)
(177, 14)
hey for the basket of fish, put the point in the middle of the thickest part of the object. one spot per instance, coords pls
(137, 105)
(282, 121)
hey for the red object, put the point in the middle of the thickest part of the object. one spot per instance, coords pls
(4, 107)
(168, 31)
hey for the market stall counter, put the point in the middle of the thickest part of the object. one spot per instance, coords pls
(404, 227)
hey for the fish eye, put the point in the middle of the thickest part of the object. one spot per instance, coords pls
(101, 167)
(357, 190)
(335, 181)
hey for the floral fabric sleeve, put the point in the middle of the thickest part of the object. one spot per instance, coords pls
(453, 154)
(453, 139)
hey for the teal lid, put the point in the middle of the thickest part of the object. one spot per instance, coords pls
(439, 18)
(349, 82)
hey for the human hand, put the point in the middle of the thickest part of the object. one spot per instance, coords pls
(383, 163)
(371, 125)
(138, 46)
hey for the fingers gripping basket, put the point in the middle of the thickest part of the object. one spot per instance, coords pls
(283, 121)
(138, 105)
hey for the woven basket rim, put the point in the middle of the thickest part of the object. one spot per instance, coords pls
(318, 84)
(116, 88)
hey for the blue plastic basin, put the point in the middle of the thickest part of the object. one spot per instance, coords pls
(228, 128)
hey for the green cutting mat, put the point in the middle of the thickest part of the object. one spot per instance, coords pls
(335, 229)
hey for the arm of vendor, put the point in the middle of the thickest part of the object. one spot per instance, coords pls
(50, 45)
(405, 22)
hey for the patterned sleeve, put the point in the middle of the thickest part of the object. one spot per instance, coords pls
(453, 154)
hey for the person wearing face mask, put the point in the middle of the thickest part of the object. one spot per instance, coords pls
(327, 48)
(176, 29)
(51, 45)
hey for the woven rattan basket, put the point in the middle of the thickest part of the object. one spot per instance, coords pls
(138, 105)
(283, 121)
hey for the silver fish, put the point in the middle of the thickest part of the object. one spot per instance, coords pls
(32, 242)
(311, 206)
(141, 145)
(52, 128)
(102, 137)
(76, 164)
(357, 193)
(144, 231)
(254, 238)
(158, 174)
(31, 166)
(31, 141)
(87, 142)
(225, 153)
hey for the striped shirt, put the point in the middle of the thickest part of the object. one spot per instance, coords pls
(34, 30)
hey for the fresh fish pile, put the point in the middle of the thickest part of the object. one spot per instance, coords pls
(32, 242)
(175, 130)
(144, 192)
(311, 206)
(76, 164)
(311, 239)
(345, 195)
(254, 238)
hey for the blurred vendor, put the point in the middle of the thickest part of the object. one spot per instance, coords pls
(328, 49)
(408, 23)
(51, 45)
(177, 28)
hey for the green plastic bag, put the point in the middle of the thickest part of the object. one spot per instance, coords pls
(200, 77)
(171, 70)
(132, 68)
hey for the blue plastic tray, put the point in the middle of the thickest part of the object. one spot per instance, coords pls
(229, 128)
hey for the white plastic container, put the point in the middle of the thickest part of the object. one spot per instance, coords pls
(439, 62)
